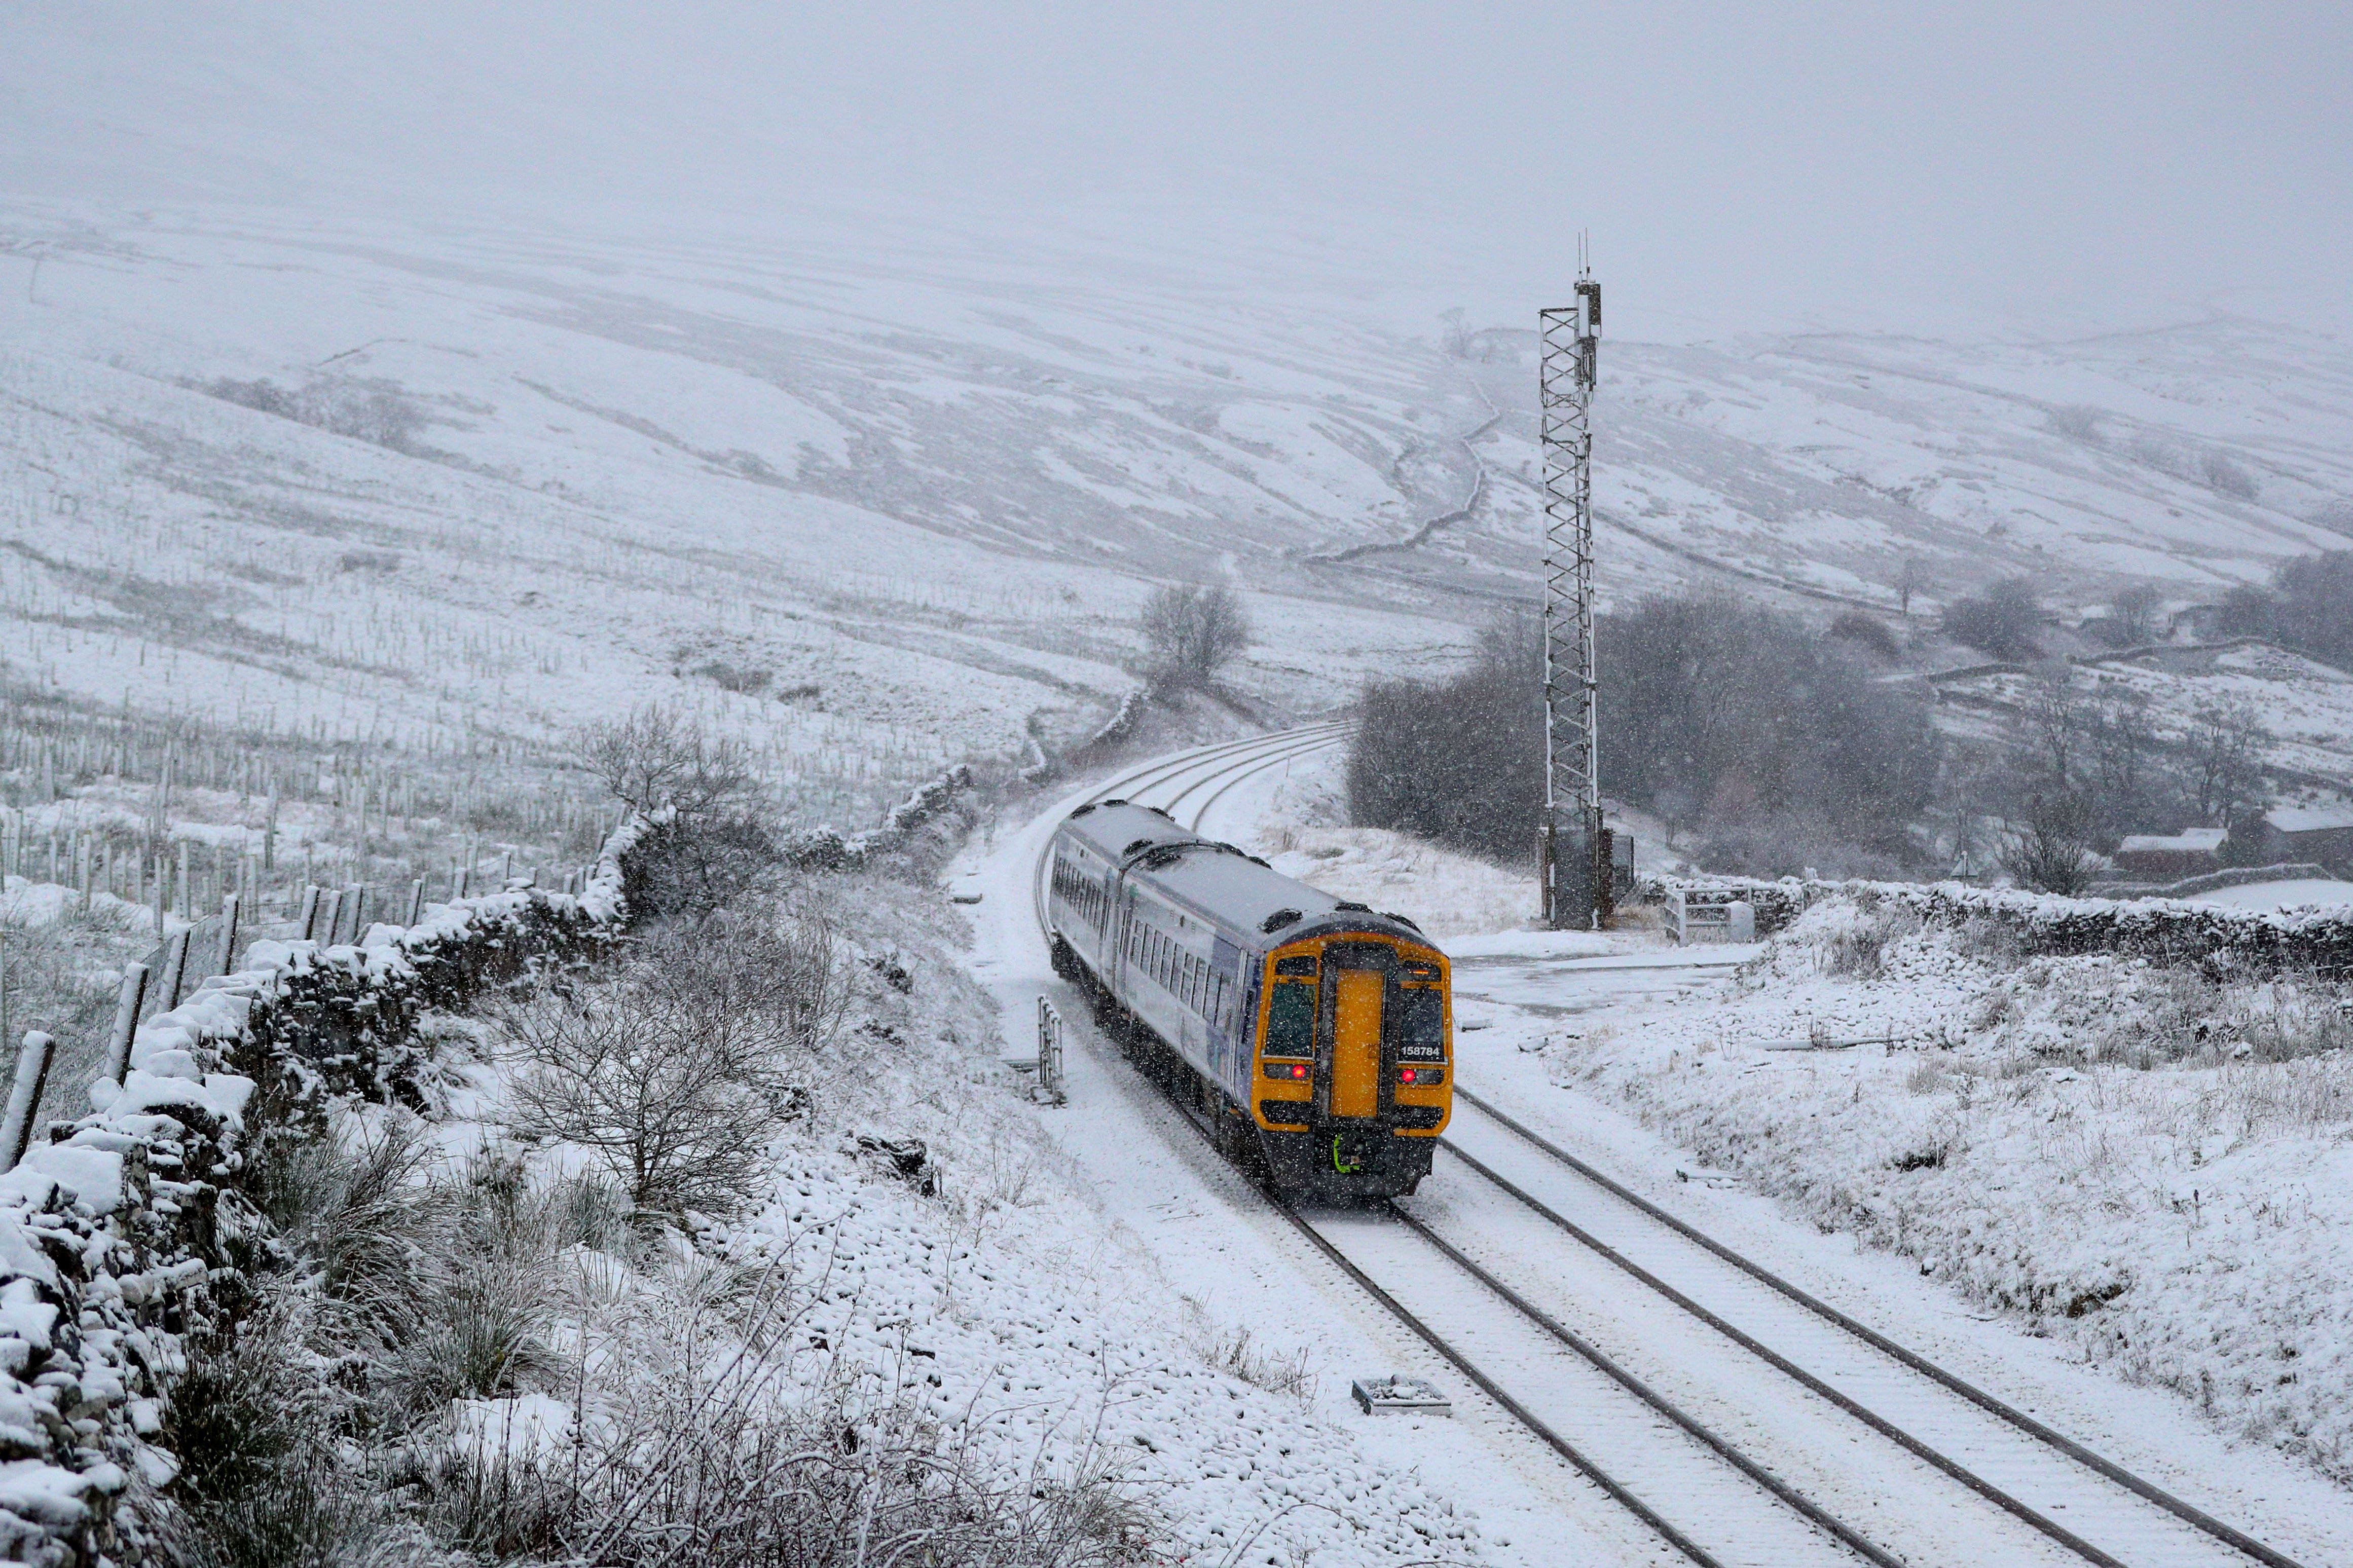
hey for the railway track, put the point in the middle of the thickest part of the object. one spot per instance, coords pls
(1957, 1427)
(1746, 1424)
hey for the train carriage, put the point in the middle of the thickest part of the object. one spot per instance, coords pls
(1316, 1031)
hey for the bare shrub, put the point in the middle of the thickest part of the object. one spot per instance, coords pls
(377, 411)
(2080, 422)
(2159, 455)
(2225, 475)
(718, 1441)
(1240, 1354)
(680, 1127)
(747, 682)
(677, 1075)
(1868, 631)
(829, 1486)
(656, 761)
(689, 868)
(2050, 848)
(1859, 949)
(746, 987)
(1192, 631)
(1999, 619)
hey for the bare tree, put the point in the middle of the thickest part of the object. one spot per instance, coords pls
(2123, 765)
(679, 1129)
(1458, 334)
(1999, 619)
(1191, 631)
(1913, 579)
(656, 761)
(2225, 749)
(2050, 848)
(2056, 720)
(2134, 619)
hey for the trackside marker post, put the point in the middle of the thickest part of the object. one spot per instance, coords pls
(1049, 1055)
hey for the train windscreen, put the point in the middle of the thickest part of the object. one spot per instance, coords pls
(1422, 1037)
(1290, 1021)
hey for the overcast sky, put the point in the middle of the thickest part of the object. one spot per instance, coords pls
(1899, 165)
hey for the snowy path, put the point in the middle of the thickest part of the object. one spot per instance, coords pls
(1239, 1257)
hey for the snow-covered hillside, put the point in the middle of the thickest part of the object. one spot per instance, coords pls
(2192, 457)
(886, 502)
(901, 505)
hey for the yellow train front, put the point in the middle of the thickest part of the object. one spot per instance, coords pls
(1313, 1036)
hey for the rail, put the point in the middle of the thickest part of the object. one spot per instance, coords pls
(2230, 1535)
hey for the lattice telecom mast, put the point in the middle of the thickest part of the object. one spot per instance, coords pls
(1575, 845)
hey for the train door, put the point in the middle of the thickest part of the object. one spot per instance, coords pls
(1226, 1049)
(1357, 979)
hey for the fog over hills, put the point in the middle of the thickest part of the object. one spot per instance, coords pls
(914, 454)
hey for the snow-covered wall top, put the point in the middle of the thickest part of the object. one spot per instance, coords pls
(2168, 930)
(123, 1229)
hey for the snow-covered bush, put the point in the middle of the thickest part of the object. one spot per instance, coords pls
(130, 1228)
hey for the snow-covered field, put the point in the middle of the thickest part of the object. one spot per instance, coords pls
(2141, 1164)
(2300, 892)
(885, 505)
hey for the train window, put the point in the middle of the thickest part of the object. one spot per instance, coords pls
(1290, 1021)
(1423, 1034)
(1297, 963)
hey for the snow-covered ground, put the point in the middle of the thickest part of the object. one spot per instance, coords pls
(2142, 1251)
(1018, 1305)
(2300, 892)
(883, 505)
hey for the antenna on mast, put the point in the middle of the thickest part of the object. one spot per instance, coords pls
(1578, 855)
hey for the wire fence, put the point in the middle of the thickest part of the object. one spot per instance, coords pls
(332, 917)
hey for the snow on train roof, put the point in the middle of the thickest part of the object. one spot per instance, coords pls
(1220, 878)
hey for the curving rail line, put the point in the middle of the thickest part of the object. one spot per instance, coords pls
(1221, 769)
(2220, 1530)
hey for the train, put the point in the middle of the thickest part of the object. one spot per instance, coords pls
(1311, 1035)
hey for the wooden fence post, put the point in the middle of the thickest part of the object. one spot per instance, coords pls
(227, 936)
(176, 967)
(416, 902)
(332, 914)
(126, 1021)
(310, 915)
(24, 1097)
